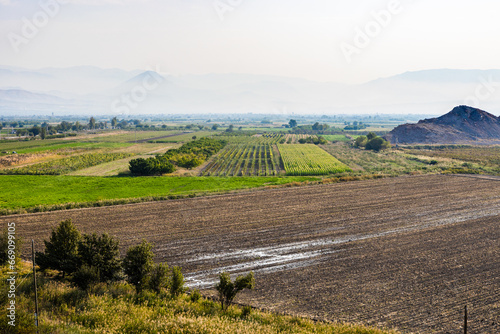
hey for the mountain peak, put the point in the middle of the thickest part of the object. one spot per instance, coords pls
(465, 113)
(463, 124)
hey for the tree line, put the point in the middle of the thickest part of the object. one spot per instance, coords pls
(89, 259)
(189, 155)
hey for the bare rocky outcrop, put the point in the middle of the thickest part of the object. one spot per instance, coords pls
(462, 125)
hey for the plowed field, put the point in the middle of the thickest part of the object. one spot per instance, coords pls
(406, 252)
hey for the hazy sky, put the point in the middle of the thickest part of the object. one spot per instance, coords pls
(324, 40)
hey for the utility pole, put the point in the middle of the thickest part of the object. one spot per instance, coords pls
(465, 320)
(34, 283)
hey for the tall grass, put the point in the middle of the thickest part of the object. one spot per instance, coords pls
(116, 308)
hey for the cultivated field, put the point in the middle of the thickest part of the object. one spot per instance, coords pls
(309, 160)
(404, 252)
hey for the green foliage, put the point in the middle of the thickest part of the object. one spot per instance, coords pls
(102, 253)
(138, 264)
(313, 140)
(377, 144)
(177, 285)
(361, 141)
(85, 276)
(159, 278)
(228, 290)
(61, 251)
(195, 295)
(204, 148)
(66, 165)
(151, 166)
(320, 127)
(187, 160)
(356, 126)
(292, 123)
(189, 155)
(246, 311)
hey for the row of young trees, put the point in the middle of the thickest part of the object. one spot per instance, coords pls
(316, 140)
(89, 259)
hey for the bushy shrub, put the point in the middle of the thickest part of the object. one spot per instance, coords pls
(138, 264)
(360, 141)
(177, 285)
(151, 166)
(246, 311)
(195, 295)
(86, 276)
(377, 144)
(61, 251)
(100, 252)
(227, 290)
(159, 279)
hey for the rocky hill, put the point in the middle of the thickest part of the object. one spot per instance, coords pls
(462, 125)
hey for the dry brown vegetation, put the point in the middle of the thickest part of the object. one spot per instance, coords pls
(404, 252)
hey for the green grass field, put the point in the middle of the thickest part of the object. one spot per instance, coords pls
(185, 137)
(46, 190)
(336, 138)
(130, 136)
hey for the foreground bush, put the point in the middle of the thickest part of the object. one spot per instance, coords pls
(61, 250)
(228, 290)
(138, 264)
(116, 308)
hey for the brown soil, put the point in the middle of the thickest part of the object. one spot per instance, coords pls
(406, 252)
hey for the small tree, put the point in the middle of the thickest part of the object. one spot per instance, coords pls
(61, 250)
(177, 286)
(360, 141)
(377, 144)
(228, 290)
(43, 133)
(160, 279)
(292, 123)
(138, 264)
(102, 253)
(92, 123)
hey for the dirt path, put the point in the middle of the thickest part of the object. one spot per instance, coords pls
(404, 252)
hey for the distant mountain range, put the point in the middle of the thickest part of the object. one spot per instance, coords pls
(462, 125)
(92, 90)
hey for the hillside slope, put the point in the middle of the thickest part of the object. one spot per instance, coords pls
(462, 125)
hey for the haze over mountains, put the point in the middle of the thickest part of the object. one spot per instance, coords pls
(91, 90)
